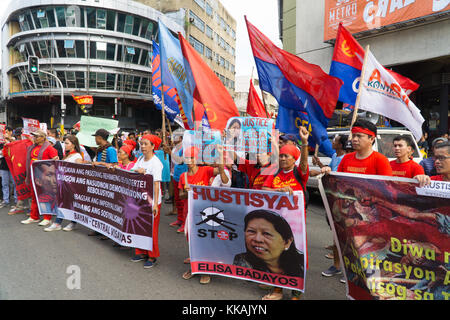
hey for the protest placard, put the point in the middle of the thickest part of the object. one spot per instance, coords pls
(89, 125)
(248, 234)
(117, 204)
(393, 242)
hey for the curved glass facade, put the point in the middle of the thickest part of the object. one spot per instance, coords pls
(75, 42)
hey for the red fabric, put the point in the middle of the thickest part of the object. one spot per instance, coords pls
(347, 50)
(48, 154)
(131, 143)
(155, 252)
(15, 154)
(191, 152)
(155, 140)
(375, 164)
(178, 202)
(209, 90)
(254, 175)
(437, 178)
(255, 107)
(200, 178)
(363, 130)
(34, 210)
(408, 169)
(287, 179)
(128, 149)
(308, 77)
(292, 150)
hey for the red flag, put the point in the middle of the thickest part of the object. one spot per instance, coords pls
(15, 154)
(407, 84)
(209, 90)
(255, 107)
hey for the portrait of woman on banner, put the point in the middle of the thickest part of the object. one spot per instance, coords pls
(270, 245)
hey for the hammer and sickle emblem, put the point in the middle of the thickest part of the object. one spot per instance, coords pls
(347, 50)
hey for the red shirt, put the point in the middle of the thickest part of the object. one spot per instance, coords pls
(437, 178)
(408, 169)
(285, 179)
(48, 154)
(254, 175)
(375, 164)
(200, 178)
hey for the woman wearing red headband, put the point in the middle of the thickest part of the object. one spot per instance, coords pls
(148, 163)
(126, 157)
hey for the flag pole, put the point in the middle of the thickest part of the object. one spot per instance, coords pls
(358, 98)
(163, 113)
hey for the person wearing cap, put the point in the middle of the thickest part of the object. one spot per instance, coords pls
(40, 150)
(106, 154)
(149, 163)
(428, 163)
(290, 178)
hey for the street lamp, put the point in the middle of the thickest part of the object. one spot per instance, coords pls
(33, 68)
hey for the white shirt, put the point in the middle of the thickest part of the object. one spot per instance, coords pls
(217, 182)
(153, 167)
(73, 157)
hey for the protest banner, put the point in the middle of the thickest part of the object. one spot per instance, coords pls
(117, 204)
(15, 154)
(2, 133)
(236, 232)
(205, 141)
(30, 125)
(393, 238)
(89, 125)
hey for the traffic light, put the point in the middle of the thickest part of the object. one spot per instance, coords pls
(33, 65)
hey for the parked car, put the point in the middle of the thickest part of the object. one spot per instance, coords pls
(383, 144)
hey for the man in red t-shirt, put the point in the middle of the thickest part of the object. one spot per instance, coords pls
(364, 160)
(40, 150)
(404, 166)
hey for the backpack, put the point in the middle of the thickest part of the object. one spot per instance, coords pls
(299, 180)
(239, 179)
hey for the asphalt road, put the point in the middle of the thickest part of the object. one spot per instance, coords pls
(38, 265)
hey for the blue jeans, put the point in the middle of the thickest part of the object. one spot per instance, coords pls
(6, 180)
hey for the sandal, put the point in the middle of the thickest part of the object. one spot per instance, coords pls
(205, 279)
(276, 294)
(329, 256)
(296, 295)
(187, 275)
(265, 286)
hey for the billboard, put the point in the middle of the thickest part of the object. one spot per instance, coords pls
(363, 15)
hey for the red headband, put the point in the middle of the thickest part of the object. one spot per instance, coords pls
(128, 149)
(155, 140)
(292, 150)
(131, 143)
(363, 130)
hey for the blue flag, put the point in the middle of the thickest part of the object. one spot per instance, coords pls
(173, 71)
(170, 93)
(288, 121)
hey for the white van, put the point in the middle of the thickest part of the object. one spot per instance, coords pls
(383, 144)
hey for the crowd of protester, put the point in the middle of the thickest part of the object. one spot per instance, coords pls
(174, 170)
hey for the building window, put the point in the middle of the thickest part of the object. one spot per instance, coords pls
(101, 50)
(79, 48)
(209, 9)
(110, 51)
(208, 53)
(196, 44)
(101, 19)
(129, 24)
(69, 45)
(110, 20)
(197, 21)
(24, 26)
(209, 32)
(201, 3)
